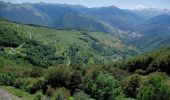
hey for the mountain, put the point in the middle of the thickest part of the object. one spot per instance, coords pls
(150, 12)
(50, 15)
(67, 46)
(158, 25)
(155, 33)
(116, 17)
(61, 16)
(64, 52)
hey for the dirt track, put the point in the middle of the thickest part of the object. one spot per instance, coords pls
(5, 95)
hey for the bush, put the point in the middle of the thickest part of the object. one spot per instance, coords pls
(30, 85)
(43, 55)
(37, 72)
(50, 91)
(61, 94)
(39, 96)
(7, 79)
(76, 82)
(58, 76)
(118, 73)
(81, 96)
(154, 88)
(10, 38)
(131, 85)
(101, 85)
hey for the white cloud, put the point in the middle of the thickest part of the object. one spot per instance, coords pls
(140, 6)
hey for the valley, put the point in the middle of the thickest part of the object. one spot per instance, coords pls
(54, 51)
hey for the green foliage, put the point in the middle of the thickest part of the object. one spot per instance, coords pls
(50, 91)
(58, 76)
(53, 47)
(101, 85)
(85, 79)
(117, 72)
(154, 88)
(18, 93)
(43, 55)
(149, 62)
(39, 96)
(131, 85)
(37, 72)
(76, 82)
(81, 96)
(10, 38)
(61, 94)
(30, 85)
(7, 79)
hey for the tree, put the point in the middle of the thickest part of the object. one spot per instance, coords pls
(101, 85)
(76, 82)
(131, 85)
(154, 89)
(81, 96)
(58, 76)
(61, 94)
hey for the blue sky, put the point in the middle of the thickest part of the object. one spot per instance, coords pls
(98, 3)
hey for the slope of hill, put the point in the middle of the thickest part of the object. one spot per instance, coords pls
(159, 25)
(127, 79)
(72, 47)
(116, 17)
(62, 16)
(155, 33)
(50, 15)
(150, 12)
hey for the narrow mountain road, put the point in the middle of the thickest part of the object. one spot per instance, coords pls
(30, 36)
(5, 95)
(12, 49)
(21, 45)
(67, 59)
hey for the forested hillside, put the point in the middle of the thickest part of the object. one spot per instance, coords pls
(72, 52)
(38, 63)
(53, 47)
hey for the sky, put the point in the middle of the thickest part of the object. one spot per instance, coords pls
(128, 4)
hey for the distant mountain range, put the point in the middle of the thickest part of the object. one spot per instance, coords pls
(136, 27)
(150, 12)
(155, 31)
(68, 16)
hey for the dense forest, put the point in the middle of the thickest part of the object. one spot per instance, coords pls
(31, 69)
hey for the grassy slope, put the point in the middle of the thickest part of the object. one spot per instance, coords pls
(17, 94)
(63, 39)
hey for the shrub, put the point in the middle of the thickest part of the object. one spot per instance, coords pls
(61, 94)
(76, 82)
(81, 96)
(101, 85)
(154, 89)
(50, 91)
(58, 76)
(39, 96)
(10, 38)
(7, 79)
(37, 72)
(30, 85)
(131, 85)
(118, 73)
